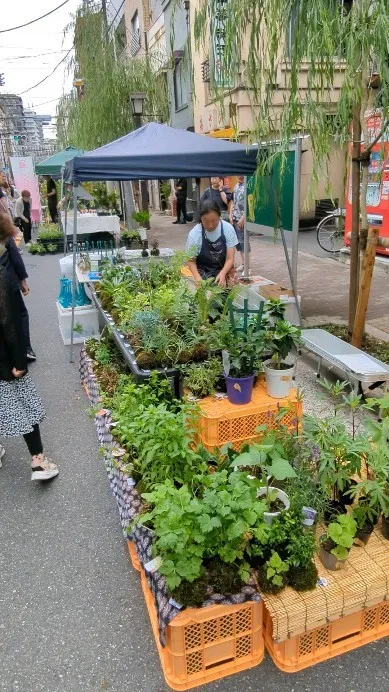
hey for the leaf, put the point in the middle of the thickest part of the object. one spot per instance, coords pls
(252, 458)
(281, 469)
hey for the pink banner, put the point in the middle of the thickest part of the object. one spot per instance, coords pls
(25, 179)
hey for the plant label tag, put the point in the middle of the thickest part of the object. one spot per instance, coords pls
(174, 603)
(322, 581)
(130, 482)
(237, 387)
(119, 452)
(309, 516)
(153, 565)
(286, 378)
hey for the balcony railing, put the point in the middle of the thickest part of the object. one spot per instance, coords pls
(135, 42)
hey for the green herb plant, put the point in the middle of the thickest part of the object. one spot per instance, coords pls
(339, 536)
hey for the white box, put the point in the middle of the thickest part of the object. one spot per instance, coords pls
(85, 316)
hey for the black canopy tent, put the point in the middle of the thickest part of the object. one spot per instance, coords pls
(155, 152)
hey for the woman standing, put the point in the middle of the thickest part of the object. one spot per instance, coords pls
(23, 215)
(21, 409)
(211, 245)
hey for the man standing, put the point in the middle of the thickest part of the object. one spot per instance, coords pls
(238, 216)
(181, 188)
(220, 194)
(52, 199)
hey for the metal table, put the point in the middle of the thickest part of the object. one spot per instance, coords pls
(358, 367)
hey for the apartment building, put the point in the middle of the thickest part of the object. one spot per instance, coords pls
(234, 117)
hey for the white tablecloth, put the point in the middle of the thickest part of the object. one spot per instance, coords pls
(91, 223)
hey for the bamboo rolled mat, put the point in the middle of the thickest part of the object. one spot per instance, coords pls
(363, 582)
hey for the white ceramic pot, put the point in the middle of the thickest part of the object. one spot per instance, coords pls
(278, 382)
(269, 516)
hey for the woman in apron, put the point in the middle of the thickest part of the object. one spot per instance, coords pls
(211, 245)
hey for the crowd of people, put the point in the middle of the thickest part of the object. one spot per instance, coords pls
(21, 408)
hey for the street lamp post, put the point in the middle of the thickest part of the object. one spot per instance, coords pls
(137, 101)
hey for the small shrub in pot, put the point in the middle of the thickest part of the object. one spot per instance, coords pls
(336, 543)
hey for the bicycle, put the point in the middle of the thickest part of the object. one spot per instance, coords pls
(330, 231)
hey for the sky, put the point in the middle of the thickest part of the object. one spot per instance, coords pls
(44, 44)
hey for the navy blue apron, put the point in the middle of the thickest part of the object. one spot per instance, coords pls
(213, 254)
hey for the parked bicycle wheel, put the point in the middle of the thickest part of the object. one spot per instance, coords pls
(330, 233)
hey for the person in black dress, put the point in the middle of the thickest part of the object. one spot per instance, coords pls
(52, 199)
(21, 408)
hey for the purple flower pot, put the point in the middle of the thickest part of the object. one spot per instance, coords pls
(239, 389)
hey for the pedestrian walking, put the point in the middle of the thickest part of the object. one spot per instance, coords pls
(211, 246)
(181, 188)
(21, 408)
(220, 194)
(52, 198)
(23, 215)
(238, 217)
(17, 276)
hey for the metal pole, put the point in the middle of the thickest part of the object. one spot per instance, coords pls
(296, 209)
(65, 246)
(246, 268)
(292, 281)
(75, 184)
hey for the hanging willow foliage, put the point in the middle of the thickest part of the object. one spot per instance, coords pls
(312, 58)
(104, 112)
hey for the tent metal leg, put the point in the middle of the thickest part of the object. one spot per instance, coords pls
(74, 269)
(292, 279)
(246, 268)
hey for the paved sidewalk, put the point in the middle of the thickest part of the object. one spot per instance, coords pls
(72, 616)
(322, 282)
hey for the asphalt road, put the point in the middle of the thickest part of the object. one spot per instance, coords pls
(72, 617)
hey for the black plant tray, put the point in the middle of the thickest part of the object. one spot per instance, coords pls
(128, 353)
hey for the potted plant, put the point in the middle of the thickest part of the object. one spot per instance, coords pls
(282, 337)
(272, 575)
(267, 459)
(52, 249)
(335, 544)
(240, 360)
(41, 249)
(154, 247)
(364, 516)
(130, 238)
(143, 219)
(144, 250)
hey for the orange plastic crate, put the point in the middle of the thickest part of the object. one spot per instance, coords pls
(324, 642)
(133, 556)
(221, 422)
(206, 644)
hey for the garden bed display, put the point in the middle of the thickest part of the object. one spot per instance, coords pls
(228, 526)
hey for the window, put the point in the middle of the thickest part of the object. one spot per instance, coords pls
(180, 91)
(135, 34)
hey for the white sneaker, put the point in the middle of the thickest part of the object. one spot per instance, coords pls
(43, 469)
(2, 452)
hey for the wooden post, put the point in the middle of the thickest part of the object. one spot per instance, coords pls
(355, 211)
(364, 292)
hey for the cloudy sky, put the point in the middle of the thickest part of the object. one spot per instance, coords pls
(28, 55)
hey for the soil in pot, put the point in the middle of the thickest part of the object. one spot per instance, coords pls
(363, 534)
(385, 527)
(192, 594)
(343, 496)
(334, 508)
(303, 578)
(276, 506)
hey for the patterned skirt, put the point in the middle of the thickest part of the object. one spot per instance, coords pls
(20, 407)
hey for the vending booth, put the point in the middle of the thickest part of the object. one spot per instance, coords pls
(378, 184)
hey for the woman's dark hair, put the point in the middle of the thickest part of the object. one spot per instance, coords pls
(6, 227)
(209, 205)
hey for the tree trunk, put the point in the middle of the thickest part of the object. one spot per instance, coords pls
(355, 202)
(364, 293)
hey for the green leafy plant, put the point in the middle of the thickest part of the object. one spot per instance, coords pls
(41, 249)
(281, 339)
(217, 520)
(245, 350)
(34, 248)
(339, 536)
(201, 378)
(50, 233)
(78, 328)
(52, 248)
(142, 217)
(272, 576)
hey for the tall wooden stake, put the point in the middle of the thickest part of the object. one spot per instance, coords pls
(355, 208)
(364, 292)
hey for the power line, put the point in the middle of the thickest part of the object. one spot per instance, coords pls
(49, 75)
(21, 26)
(38, 55)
